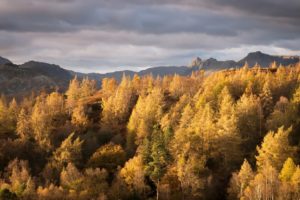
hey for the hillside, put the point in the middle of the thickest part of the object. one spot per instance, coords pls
(32, 76)
(219, 136)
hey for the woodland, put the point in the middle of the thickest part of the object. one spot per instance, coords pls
(232, 134)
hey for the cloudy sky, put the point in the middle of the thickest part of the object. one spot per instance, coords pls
(109, 35)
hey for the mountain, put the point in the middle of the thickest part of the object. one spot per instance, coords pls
(33, 76)
(4, 61)
(265, 60)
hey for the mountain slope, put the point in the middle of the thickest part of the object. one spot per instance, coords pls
(34, 76)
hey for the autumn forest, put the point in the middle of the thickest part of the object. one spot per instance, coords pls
(232, 134)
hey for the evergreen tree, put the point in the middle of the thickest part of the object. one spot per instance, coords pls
(266, 99)
(73, 92)
(275, 149)
(288, 170)
(23, 124)
(229, 139)
(68, 152)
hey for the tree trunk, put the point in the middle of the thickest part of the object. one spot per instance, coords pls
(157, 191)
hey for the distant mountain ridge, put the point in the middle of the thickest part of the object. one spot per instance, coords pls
(35, 76)
(262, 59)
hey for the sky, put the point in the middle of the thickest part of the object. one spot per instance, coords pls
(110, 35)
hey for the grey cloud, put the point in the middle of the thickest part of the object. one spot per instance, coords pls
(142, 32)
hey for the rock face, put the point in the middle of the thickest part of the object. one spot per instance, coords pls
(32, 76)
(197, 62)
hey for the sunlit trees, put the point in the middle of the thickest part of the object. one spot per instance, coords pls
(20, 179)
(71, 178)
(266, 99)
(41, 124)
(23, 124)
(275, 149)
(240, 181)
(68, 152)
(147, 113)
(117, 107)
(134, 175)
(229, 140)
(79, 117)
(73, 92)
(264, 185)
(249, 121)
(173, 137)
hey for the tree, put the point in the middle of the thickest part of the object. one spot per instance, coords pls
(68, 152)
(12, 114)
(55, 104)
(41, 124)
(266, 99)
(117, 107)
(275, 149)
(284, 114)
(240, 181)
(288, 170)
(156, 166)
(264, 185)
(147, 112)
(71, 178)
(229, 139)
(23, 125)
(249, 121)
(134, 176)
(73, 92)
(108, 156)
(296, 182)
(108, 87)
(79, 118)
(3, 114)
(20, 179)
(94, 183)
(87, 87)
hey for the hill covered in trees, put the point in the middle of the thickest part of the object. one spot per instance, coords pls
(233, 134)
(33, 76)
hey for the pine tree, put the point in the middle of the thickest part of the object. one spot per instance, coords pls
(266, 99)
(3, 114)
(41, 124)
(284, 114)
(79, 118)
(275, 149)
(71, 178)
(73, 92)
(159, 159)
(133, 174)
(147, 112)
(229, 139)
(87, 88)
(23, 124)
(296, 182)
(240, 181)
(245, 175)
(12, 115)
(68, 152)
(288, 170)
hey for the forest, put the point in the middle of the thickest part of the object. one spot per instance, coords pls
(232, 134)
